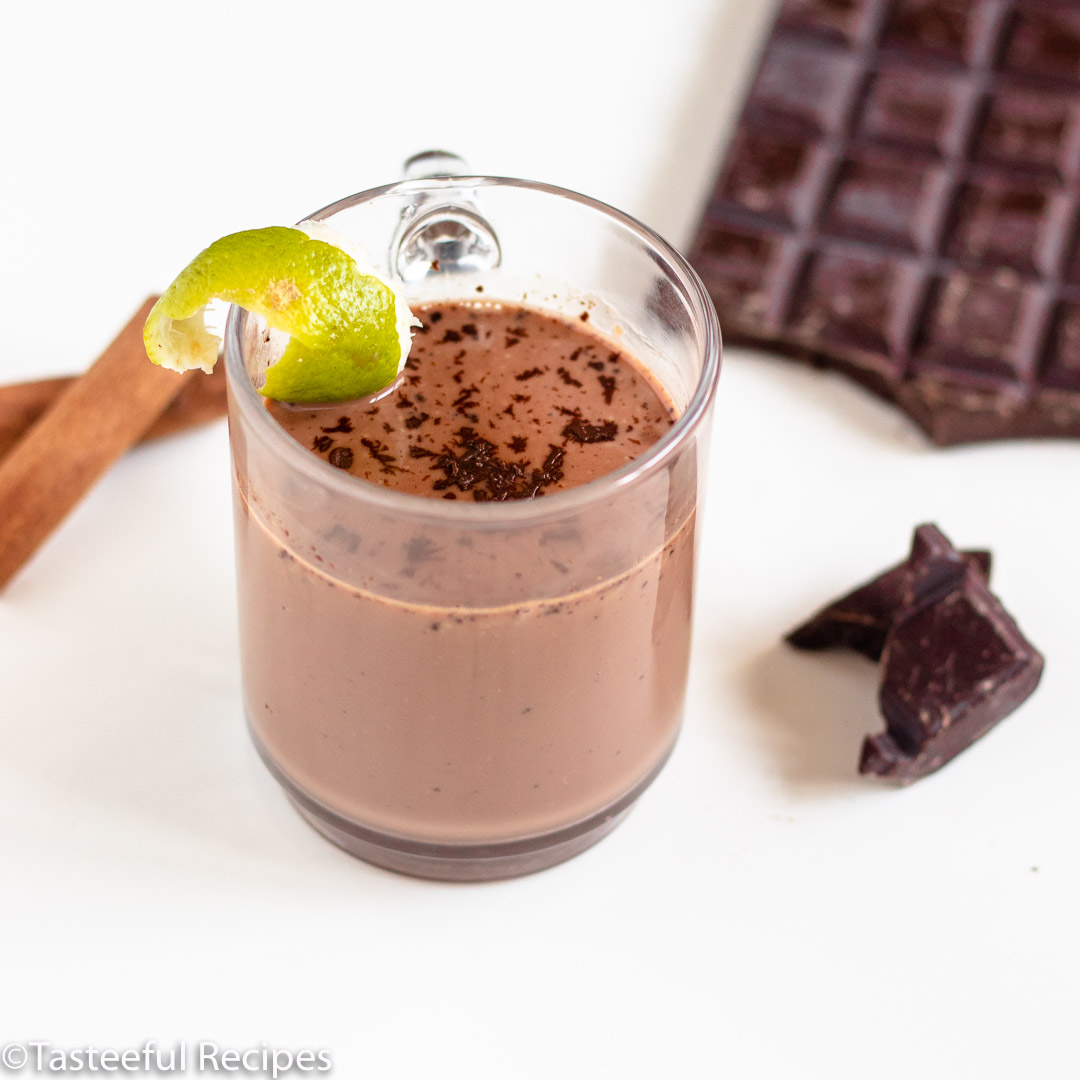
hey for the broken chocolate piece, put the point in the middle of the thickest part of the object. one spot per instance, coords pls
(895, 203)
(953, 666)
(861, 619)
(953, 661)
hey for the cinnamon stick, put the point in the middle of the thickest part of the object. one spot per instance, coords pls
(92, 422)
(200, 400)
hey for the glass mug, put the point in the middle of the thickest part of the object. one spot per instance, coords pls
(462, 690)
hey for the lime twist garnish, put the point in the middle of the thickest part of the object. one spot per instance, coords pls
(348, 334)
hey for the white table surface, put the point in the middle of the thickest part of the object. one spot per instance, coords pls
(763, 912)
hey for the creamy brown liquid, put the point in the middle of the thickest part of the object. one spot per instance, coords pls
(492, 397)
(450, 723)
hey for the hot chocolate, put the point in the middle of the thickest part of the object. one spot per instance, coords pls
(422, 691)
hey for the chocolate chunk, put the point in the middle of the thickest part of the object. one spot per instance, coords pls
(896, 203)
(953, 666)
(861, 620)
(953, 661)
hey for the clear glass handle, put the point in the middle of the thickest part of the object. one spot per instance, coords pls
(442, 231)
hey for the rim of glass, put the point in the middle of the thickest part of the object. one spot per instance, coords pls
(460, 511)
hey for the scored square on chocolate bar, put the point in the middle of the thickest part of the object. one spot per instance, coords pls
(912, 108)
(901, 201)
(1043, 41)
(949, 29)
(843, 20)
(772, 175)
(884, 197)
(1029, 131)
(859, 302)
(998, 222)
(803, 87)
(1063, 367)
(981, 326)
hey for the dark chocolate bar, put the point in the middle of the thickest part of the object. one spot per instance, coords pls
(900, 202)
(953, 661)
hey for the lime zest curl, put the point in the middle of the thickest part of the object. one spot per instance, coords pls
(348, 336)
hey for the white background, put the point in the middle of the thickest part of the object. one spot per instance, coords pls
(763, 912)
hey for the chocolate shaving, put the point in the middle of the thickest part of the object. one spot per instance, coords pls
(466, 400)
(473, 464)
(343, 425)
(583, 432)
(551, 471)
(378, 450)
